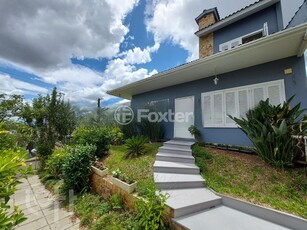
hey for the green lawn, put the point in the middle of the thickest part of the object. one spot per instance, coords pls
(139, 167)
(248, 177)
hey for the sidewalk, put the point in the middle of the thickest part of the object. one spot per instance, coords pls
(41, 208)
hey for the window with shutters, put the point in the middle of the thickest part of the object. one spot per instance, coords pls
(218, 105)
(245, 39)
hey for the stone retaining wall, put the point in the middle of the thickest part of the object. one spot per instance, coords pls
(104, 187)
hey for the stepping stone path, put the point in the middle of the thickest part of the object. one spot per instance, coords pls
(196, 207)
(41, 208)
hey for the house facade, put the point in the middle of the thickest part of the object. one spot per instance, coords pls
(244, 58)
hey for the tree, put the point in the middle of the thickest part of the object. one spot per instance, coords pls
(10, 106)
(53, 119)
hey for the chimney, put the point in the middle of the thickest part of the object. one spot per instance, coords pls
(206, 19)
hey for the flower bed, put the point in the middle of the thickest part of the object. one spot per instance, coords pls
(123, 181)
(100, 169)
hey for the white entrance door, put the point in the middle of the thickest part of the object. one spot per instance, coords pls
(184, 117)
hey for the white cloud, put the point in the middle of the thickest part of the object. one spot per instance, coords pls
(9, 85)
(46, 34)
(173, 20)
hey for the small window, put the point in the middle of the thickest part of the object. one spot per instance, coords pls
(252, 37)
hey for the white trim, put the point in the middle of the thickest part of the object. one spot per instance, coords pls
(236, 90)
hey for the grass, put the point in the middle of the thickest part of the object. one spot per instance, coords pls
(249, 178)
(96, 213)
(140, 168)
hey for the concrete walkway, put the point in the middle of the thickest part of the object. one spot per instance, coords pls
(41, 207)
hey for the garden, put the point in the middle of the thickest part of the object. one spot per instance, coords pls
(75, 147)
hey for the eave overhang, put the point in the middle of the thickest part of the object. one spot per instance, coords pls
(286, 43)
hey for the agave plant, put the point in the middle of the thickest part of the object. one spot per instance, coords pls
(136, 146)
(270, 128)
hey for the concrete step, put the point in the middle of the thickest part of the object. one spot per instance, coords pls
(179, 144)
(176, 181)
(165, 149)
(175, 167)
(223, 217)
(173, 157)
(188, 201)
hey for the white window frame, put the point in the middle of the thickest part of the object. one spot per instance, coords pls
(250, 100)
(264, 31)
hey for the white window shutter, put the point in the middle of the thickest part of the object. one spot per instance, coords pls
(243, 103)
(258, 94)
(224, 47)
(274, 94)
(218, 109)
(207, 110)
(230, 101)
(235, 43)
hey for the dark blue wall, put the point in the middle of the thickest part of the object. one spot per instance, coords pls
(248, 25)
(295, 83)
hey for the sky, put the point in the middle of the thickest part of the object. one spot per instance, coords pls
(87, 47)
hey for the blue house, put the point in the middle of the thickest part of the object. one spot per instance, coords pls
(245, 57)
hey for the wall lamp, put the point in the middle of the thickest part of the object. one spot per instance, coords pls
(215, 80)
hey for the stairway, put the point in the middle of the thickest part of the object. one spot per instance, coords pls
(197, 207)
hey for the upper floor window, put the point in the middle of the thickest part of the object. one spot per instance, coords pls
(245, 39)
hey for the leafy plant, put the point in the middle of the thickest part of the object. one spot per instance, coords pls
(54, 165)
(151, 210)
(116, 173)
(270, 128)
(123, 177)
(10, 167)
(199, 151)
(136, 146)
(116, 201)
(101, 137)
(116, 136)
(76, 169)
(44, 150)
(195, 132)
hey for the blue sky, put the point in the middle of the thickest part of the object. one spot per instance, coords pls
(85, 48)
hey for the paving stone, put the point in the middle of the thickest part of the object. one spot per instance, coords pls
(41, 208)
(62, 224)
(40, 223)
(33, 216)
(31, 210)
(75, 227)
(57, 215)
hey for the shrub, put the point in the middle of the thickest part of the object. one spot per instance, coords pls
(100, 137)
(270, 128)
(195, 132)
(129, 130)
(199, 151)
(54, 165)
(44, 150)
(77, 168)
(153, 130)
(136, 146)
(150, 211)
(10, 162)
(117, 136)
